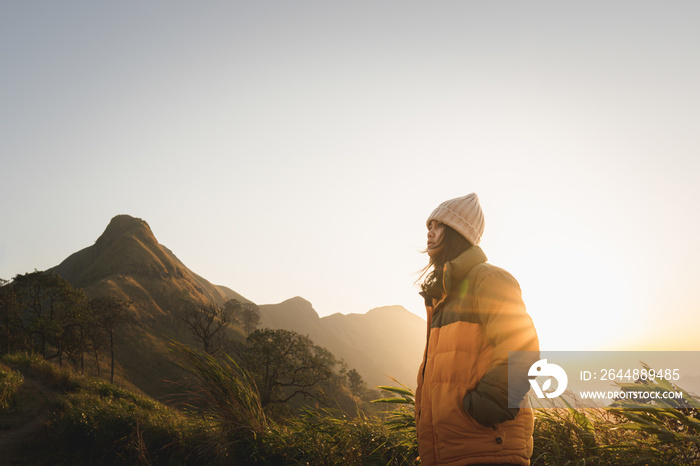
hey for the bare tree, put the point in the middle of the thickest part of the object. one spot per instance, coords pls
(208, 324)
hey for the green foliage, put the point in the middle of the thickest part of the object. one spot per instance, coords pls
(285, 364)
(324, 436)
(107, 313)
(665, 431)
(10, 320)
(59, 378)
(227, 395)
(10, 381)
(250, 317)
(357, 384)
(403, 417)
(52, 314)
(22, 359)
(224, 390)
(103, 424)
(40, 312)
(671, 426)
(94, 422)
(576, 437)
(223, 422)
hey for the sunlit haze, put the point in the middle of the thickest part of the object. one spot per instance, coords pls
(296, 148)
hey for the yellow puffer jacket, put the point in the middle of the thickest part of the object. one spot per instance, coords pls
(462, 413)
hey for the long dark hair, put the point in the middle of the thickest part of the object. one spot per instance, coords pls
(453, 244)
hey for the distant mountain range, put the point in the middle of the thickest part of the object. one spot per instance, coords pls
(384, 342)
(128, 262)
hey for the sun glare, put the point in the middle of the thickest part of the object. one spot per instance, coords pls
(577, 299)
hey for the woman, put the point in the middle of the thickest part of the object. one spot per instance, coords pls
(475, 317)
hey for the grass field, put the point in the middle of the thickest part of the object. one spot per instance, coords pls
(50, 415)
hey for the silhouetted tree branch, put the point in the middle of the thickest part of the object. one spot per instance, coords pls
(208, 324)
(286, 364)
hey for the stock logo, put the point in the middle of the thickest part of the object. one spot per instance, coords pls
(543, 369)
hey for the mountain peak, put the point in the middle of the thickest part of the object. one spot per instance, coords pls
(296, 309)
(298, 301)
(126, 221)
(122, 225)
(127, 247)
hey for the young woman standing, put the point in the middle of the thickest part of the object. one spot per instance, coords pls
(475, 316)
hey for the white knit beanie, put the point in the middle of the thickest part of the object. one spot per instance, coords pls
(464, 215)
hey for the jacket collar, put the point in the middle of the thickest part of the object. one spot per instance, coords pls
(457, 269)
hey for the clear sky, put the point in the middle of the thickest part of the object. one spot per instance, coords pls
(296, 148)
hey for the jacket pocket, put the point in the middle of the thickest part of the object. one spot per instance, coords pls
(457, 434)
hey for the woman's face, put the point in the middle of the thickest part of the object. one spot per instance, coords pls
(436, 231)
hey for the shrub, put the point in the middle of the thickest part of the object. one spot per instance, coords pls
(10, 381)
(21, 360)
(666, 431)
(579, 436)
(324, 436)
(59, 378)
(670, 426)
(226, 393)
(92, 421)
(104, 424)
